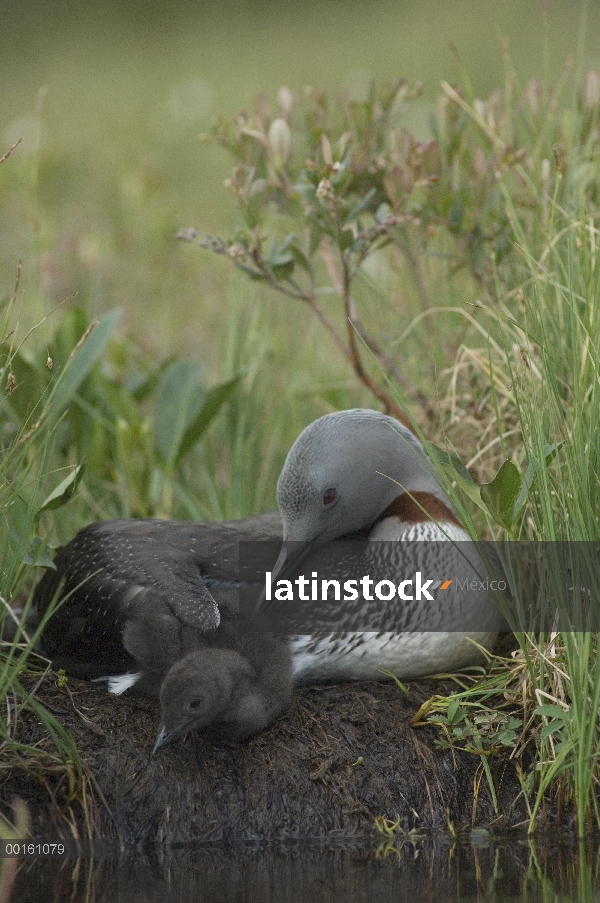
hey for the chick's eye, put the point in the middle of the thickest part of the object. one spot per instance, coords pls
(329, 496)
(195, 703)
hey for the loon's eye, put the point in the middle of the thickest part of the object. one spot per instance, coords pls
(194, 703)
(329, 496)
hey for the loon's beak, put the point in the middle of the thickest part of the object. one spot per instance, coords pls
(290, 556)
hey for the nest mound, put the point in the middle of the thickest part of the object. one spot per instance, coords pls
(339, 757)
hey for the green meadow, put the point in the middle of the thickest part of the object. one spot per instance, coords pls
(463, 243)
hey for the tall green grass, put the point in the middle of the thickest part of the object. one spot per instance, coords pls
(541, 358)
(27, 469)
(557, 395)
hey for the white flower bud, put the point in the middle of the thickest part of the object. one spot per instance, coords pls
(286, 100)
(325, 190)
(280, 141)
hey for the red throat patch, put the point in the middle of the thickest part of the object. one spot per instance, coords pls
(420, 507)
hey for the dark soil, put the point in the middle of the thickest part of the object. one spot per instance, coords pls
(300, 779)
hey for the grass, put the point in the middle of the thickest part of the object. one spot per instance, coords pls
(542, 376)
(508, 353)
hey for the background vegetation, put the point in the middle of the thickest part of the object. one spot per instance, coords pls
(472, 214)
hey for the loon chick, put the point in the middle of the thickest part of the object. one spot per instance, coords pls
(154, 603)
(361, 475)
(235, 695)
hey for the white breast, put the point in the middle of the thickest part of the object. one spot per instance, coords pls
(363, 655)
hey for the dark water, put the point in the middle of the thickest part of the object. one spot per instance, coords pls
(478, 867)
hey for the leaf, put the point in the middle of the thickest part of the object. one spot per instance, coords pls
(453, 467)
(398, 683)
(552, 728)
(283, 271)
(315, 235)
(346, 239)
(118, 400)
(280, 258)
(71, 328)
(456, 215)
(281, 261)
(552, 711)
(382, 212)
(307, 191)
(143, 386)
(81, 362)
(179, 397)
(468, 487)
(549, 451)
(526, 485)
(135, 455)
(286, 244)
(497, 498)
(214, 400)
(254, 274)
(38, 554)
(255, 209)
(441, 457)
(327, 223)
(362, 205)
(504, 497)
(501, 494)
(453, 710)
(64, 491)
(342, 180)
(300, 257)
(31, 382)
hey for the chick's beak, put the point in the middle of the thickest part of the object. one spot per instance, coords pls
(163, 738)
